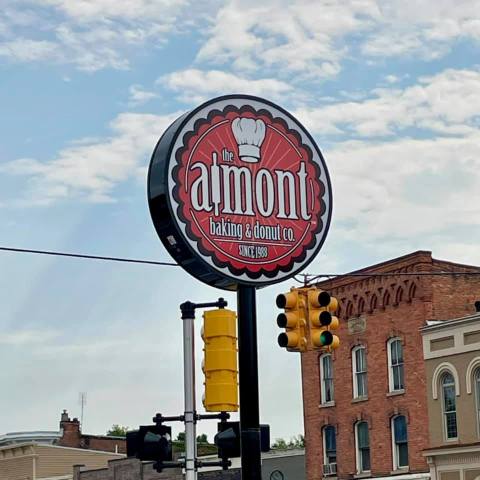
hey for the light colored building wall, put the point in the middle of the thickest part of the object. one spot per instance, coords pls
(54, 460)
(457, 463)
(17, 463)
(30, 461)
(467, 424)
(453, 346)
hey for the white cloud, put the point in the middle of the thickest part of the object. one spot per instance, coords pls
(406, 189)
(26, 337)
(26, 50)
(194, 86)
(301, 37)
(426, 27)
(139, 96)
(446, 103)
(310, 37)
(90, 34)
(93, 167)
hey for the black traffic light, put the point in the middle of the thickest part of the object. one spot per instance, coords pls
(228, 439)
(150, 442)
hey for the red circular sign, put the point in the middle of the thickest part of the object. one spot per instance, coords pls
(247, 189)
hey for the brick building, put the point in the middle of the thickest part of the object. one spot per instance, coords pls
(69, 435)
(365, 405)
(72, 436)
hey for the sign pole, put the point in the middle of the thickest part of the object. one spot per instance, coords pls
(248, 373)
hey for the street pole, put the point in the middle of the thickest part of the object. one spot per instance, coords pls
(248, 373)
(188, 316)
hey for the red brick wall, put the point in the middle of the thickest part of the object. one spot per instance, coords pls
(105, 444)
(410, 301)
(72, 437)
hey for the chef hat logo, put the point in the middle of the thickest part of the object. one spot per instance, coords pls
(249, 134)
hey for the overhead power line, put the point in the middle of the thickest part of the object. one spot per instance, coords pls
(307, 278)
(89, 257)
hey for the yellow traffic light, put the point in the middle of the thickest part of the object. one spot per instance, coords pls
(293, 320)
(321, 321)
(219, 365)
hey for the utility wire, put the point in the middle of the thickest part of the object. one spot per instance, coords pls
(308, 278)
(89, 257)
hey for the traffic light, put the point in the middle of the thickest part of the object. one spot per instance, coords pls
(219, 365)
(321, 321)
(228, 439)
(150, 442)
(293, 320)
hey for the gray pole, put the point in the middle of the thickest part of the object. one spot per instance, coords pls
(189, 391)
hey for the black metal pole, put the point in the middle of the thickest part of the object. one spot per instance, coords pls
(248, 373)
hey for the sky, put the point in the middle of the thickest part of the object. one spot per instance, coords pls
(389, 89)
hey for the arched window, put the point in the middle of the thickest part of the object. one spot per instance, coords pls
(395, 365)
(399, 295)
(373, 302)
(329, 450)
(361, 306)
(386, 299)
(326, 379)
(362, 443)
(412, 291)
(399, 442)
(449, 406)
(359, 372)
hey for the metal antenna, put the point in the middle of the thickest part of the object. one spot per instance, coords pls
(82, 400)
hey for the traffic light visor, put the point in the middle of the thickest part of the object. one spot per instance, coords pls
(286, 300)
(289, 339)
(318, 298)
(287, 320)
(327, 339)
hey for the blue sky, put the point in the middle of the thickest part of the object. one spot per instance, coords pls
(390, 92)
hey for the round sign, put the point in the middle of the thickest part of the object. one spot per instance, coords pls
(239, 193)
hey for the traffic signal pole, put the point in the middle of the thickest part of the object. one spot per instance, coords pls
(248, 379)
(188, 317)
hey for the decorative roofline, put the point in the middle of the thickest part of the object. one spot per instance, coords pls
(420, 261)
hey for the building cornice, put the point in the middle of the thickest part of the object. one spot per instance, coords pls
(452, 450)
(453, 323)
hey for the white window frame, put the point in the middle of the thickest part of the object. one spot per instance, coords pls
(323, 393)
(357, 449)
(391, 386)
(444, 412)
(324, 439)
(355, 372)
(395, 455)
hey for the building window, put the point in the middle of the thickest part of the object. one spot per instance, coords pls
(326, 378)
(359, 365)
(449, 406)
(329, 449)
(363, 447)
(400, 442)
(395, 365)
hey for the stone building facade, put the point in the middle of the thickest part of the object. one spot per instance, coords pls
(365, 405)
(452, 359)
